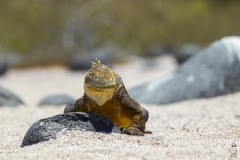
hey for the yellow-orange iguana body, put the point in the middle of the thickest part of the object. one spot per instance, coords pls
(105, 94)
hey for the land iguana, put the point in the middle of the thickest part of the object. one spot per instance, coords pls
(105, 94)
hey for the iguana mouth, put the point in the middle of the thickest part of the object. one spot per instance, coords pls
(100, 88)
(99, 94)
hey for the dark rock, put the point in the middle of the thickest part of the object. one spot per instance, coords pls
(45, 129)
(212, 72)
(3, 67)
(108, 54)
(57, 100)
(158, 50)
(180, 53)
(153, 51)
(14, 59)
(8, 99)
(186, 51)
(83, 61)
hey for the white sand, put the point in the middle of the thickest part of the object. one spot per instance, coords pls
(197, 129)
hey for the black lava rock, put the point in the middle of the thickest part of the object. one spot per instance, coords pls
(3, 67)
(154, 51)
(159, 50)
(185, 52)
(212, 72)
(57, 100)
(107, 54)
(83, 61)
(9, 99)
(45, 129)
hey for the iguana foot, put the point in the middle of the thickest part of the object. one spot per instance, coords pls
(131, 131)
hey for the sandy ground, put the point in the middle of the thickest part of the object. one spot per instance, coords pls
(196, 129)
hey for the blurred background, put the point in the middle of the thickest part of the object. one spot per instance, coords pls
(56, 32)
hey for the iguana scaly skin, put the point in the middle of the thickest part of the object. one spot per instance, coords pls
(105, 94)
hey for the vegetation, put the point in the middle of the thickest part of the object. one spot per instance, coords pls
(58, 27)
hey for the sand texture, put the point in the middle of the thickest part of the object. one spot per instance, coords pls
(196, 129)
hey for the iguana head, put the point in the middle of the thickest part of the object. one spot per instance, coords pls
(99, 83)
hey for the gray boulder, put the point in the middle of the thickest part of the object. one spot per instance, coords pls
(57, 100)
(212, 72)
(45, 129)
(9, 99)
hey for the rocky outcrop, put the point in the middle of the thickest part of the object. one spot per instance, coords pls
(45, 129)
(212, 72)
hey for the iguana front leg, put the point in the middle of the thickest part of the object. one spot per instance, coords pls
(138, 116)
(76, 107)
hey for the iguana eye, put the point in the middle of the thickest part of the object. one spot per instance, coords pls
(95, 77)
